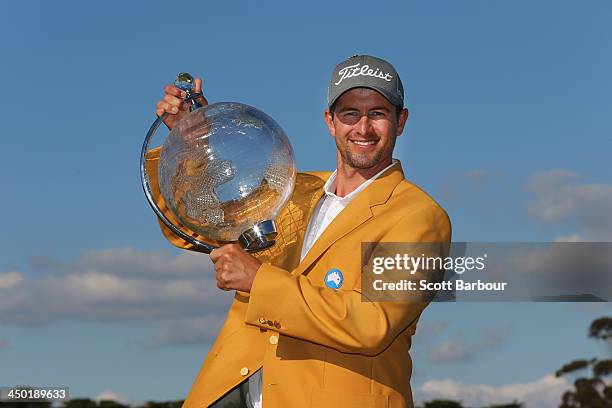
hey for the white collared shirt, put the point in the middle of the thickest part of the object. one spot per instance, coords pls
(328, 208)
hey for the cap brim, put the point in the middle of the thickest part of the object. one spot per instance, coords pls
(374, 88)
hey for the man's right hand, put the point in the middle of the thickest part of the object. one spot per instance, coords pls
(174, 103)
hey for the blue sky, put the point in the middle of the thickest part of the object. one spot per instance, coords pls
(510, 116)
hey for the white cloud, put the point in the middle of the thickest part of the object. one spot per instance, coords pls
(570, 269)
(131, 262)
(492, 338)
(429, 329)
(570, 238)
(560, 197)
(114, 285)
(542, 393)
(451, 351)
(466, 184)
(458, 350)
(553, 191)
(112, 396)
(10, 279)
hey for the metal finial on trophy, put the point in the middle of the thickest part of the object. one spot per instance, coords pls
(185, 82)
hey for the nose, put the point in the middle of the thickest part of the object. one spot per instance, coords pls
(363, 125)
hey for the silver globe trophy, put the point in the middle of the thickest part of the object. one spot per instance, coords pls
(225, 171)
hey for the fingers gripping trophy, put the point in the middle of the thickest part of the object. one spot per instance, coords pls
(225, 171)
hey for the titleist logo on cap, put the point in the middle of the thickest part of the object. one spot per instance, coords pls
(365, 70)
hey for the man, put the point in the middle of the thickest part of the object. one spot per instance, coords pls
(298, 333)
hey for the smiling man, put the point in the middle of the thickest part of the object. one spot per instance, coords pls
(299, 333)
(364, 125)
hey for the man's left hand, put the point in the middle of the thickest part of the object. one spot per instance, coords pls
(235, 267)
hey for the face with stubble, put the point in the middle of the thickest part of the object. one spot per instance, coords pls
(365, 125)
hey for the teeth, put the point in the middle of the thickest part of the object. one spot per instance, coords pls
(364, 143)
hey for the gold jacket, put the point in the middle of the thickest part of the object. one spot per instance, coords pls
(322, 347)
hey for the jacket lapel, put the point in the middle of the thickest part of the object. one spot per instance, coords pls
(356, 213)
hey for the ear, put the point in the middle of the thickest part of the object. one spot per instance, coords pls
(329, 120)
(401, 121)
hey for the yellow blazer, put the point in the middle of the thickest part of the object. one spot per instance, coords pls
(321, 347)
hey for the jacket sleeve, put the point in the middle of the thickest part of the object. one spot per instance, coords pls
(340, 319)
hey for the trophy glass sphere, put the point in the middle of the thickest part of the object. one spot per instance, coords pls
(226, 171)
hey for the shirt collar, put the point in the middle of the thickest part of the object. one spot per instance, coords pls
(330, 185)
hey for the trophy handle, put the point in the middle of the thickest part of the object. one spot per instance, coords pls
(146, 185)
(184, 81)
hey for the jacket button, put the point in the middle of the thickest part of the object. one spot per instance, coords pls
(273, 339)
(244, 371)
(262, 320)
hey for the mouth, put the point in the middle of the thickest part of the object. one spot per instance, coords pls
(363, 143)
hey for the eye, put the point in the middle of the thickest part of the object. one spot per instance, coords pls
(377, 114)
(350, 116)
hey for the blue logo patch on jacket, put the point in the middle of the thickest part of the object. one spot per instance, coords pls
(333, 278)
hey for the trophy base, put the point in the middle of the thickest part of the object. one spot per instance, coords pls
(259, 237)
